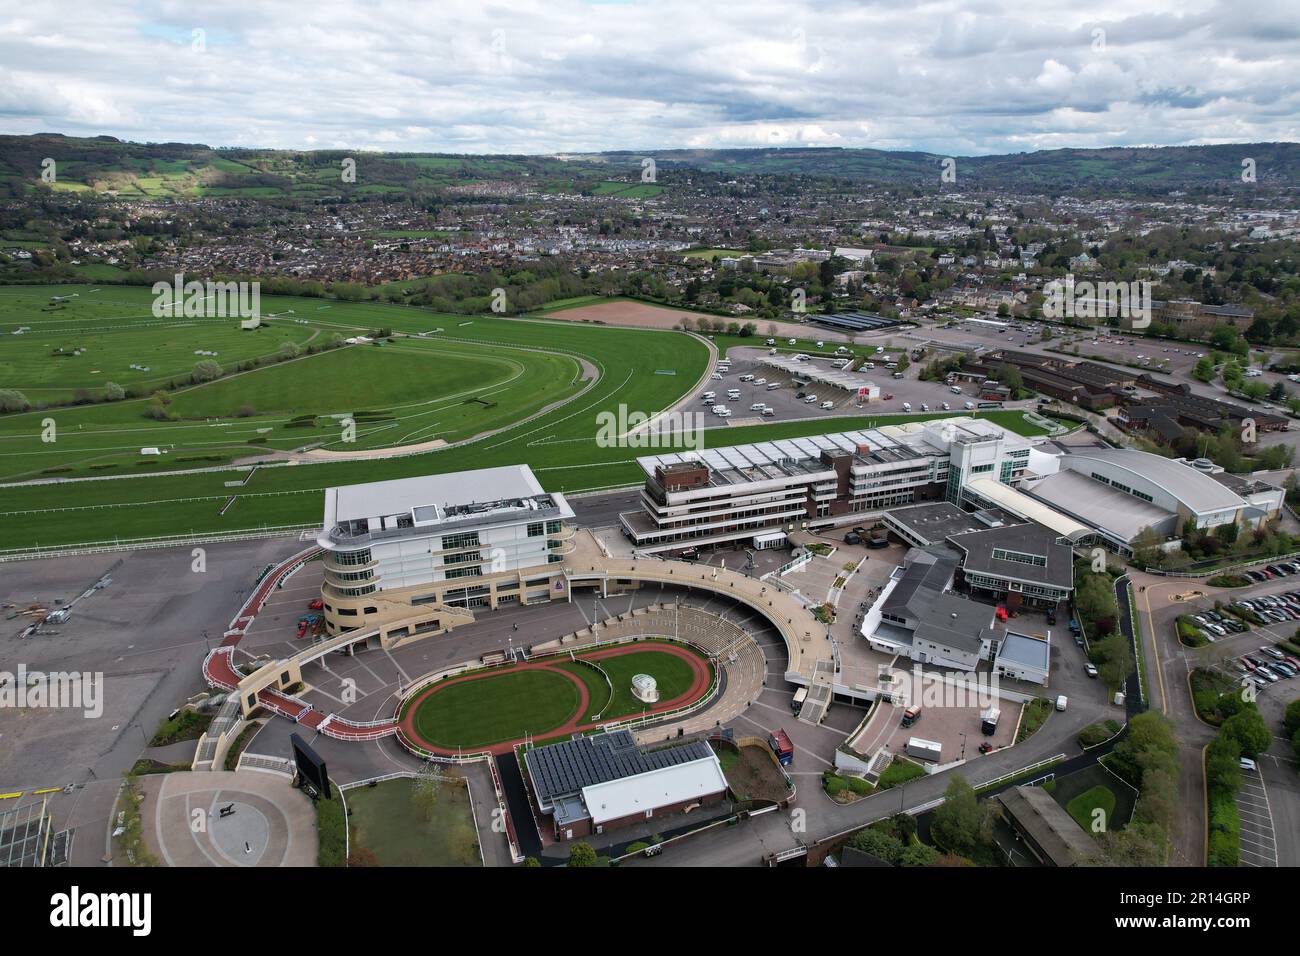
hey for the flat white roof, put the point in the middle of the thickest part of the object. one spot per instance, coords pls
(1019, 503)
(376, 498)
(633, 795)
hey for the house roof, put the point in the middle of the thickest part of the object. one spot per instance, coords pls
(927, 573)
(1028, 538)
(953, 622)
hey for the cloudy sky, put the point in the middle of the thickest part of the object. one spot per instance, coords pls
(543, 76)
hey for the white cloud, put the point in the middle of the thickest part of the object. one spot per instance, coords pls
(564, 75)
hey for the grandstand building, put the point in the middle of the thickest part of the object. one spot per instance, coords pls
(743, 491)
(470, 539)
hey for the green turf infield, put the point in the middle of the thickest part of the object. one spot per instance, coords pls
(490, 710)
(543, 418)
(510, 703)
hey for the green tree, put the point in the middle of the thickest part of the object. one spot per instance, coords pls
(581, 854)
(1114, 660)
(12, 400)
(918, 854)
(956, 824)
(1291, 718)
(879, 844)
(206, 371)
(1247, 727)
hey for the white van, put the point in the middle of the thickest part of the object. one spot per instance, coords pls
(769, 411)
(1061, 702)
(947, 407)
(706, 400)
(726, 412)
(710, 395)
(970, 406)
(809, 399)
(733, 393)
(772, 385)
(828, 405)
(758, 406)
(760, 381)
(956, 389)
(907, 406)
(747, 377)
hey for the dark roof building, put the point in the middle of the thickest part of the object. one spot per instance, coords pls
(1024, 559)
(1050, 833)
(931, 523)
(604, 780)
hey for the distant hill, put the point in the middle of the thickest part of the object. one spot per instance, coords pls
(111, 167)
(138, 170)
(1165, 166)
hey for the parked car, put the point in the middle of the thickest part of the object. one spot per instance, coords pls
(1090, 670)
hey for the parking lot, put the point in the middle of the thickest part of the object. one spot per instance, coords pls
(1258, 845)
(787, 406)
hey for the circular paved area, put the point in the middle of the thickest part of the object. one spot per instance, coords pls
(272, 825)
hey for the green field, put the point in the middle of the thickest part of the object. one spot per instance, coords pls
(395, 825)
(491, 710)
(560, 444)
(511, 703)
(1082, 807)
(414, 389)
(627, 190)
(712, 254)
(115, 328)
(674, 677)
